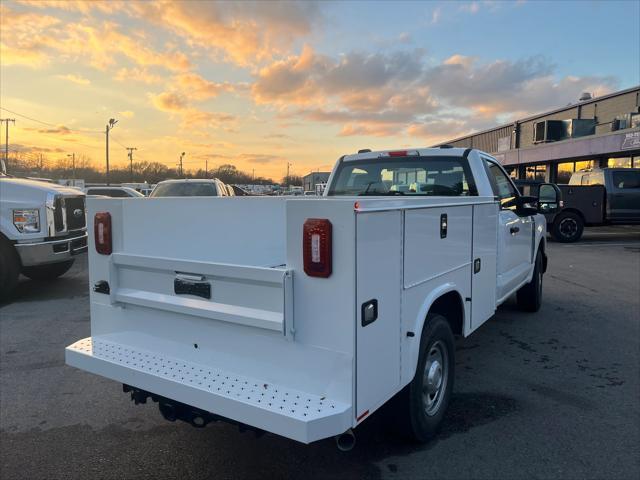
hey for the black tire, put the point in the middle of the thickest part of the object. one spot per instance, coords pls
(9, 268)
(418, 412)
(529, 296)
(49, 271)
(567, 227)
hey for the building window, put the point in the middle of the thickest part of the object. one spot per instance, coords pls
(620, 162)
(564, 172)
(565, 169)
(536, 172)
(513, 172)
(584, 165)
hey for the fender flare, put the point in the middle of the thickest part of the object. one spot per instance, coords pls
(421, 318)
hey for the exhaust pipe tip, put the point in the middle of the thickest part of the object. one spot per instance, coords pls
(346, 441)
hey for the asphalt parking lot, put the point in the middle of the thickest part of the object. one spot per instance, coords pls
(548, 395)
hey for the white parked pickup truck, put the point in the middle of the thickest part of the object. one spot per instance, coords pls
(303, 316)
(42, 228)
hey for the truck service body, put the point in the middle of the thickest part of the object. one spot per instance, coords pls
(302, 316)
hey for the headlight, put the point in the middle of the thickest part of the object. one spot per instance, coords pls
(27, 221)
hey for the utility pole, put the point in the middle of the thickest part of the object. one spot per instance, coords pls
(73, 165)
(206, 168)
(130, 154)
(110, 125)
(288, 165)
(6, 138)
(181, 155)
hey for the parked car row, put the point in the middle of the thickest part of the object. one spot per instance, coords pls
(172, 188)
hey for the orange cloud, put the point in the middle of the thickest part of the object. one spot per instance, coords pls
(35, 39)
(195, 87)
(75, 79)
(138, 75)
(176, 103)
(169, 102)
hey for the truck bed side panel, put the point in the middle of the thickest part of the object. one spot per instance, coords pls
(588, 199)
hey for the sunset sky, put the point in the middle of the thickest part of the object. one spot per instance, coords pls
(260, 84)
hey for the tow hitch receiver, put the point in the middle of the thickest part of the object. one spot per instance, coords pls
(172, 410)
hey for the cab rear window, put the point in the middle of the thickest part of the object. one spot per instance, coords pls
(190, 189)
(414, 176)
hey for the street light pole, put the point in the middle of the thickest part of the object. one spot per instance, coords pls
(6, 138)
(73, 166)
(181, 171)
(110, 125)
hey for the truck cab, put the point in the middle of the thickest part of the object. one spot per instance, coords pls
(42, 228)
(310, 313)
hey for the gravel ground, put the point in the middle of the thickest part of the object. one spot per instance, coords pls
(546, 395)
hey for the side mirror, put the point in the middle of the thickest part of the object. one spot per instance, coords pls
(549, 198)
(526, 205)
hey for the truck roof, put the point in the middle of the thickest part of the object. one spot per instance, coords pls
(189, 180)
(423, 152)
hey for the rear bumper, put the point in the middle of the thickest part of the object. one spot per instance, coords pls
(274, 408)
(54, 251)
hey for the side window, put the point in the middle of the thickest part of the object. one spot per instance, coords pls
(118, 193)
(502, 186)
(626, 179)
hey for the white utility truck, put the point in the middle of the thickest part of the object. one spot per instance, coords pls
(42, 228)
(302, 316)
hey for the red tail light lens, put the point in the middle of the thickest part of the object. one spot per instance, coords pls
(398, 153)
(102, 233)
(317, 247)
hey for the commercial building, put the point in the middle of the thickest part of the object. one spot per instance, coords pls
(592, 133)
(310, 181)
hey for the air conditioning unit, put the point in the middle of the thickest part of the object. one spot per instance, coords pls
(549, 131)
(580, 127)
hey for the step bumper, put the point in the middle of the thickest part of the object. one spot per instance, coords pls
(294, 414)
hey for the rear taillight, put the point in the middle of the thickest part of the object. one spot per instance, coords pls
(398, 153)
(316, 247)
(102, 232)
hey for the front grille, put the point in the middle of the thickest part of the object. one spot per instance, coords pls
(76, 217)
(58, 220)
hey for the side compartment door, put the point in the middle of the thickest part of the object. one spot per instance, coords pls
(484, 270)
(378, 287)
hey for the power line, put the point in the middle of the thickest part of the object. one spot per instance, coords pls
(47, 123)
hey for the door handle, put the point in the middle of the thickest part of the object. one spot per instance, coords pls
(514, 230)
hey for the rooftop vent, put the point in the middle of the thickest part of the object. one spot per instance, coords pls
(585, 96)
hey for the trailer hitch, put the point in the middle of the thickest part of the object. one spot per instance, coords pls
(173, 410)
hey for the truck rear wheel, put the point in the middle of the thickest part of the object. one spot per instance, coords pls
(49, 271)
(422, 404)
(9, 268)
(529, 296)
(567, 227)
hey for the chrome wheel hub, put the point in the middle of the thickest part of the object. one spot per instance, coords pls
(434, 380)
